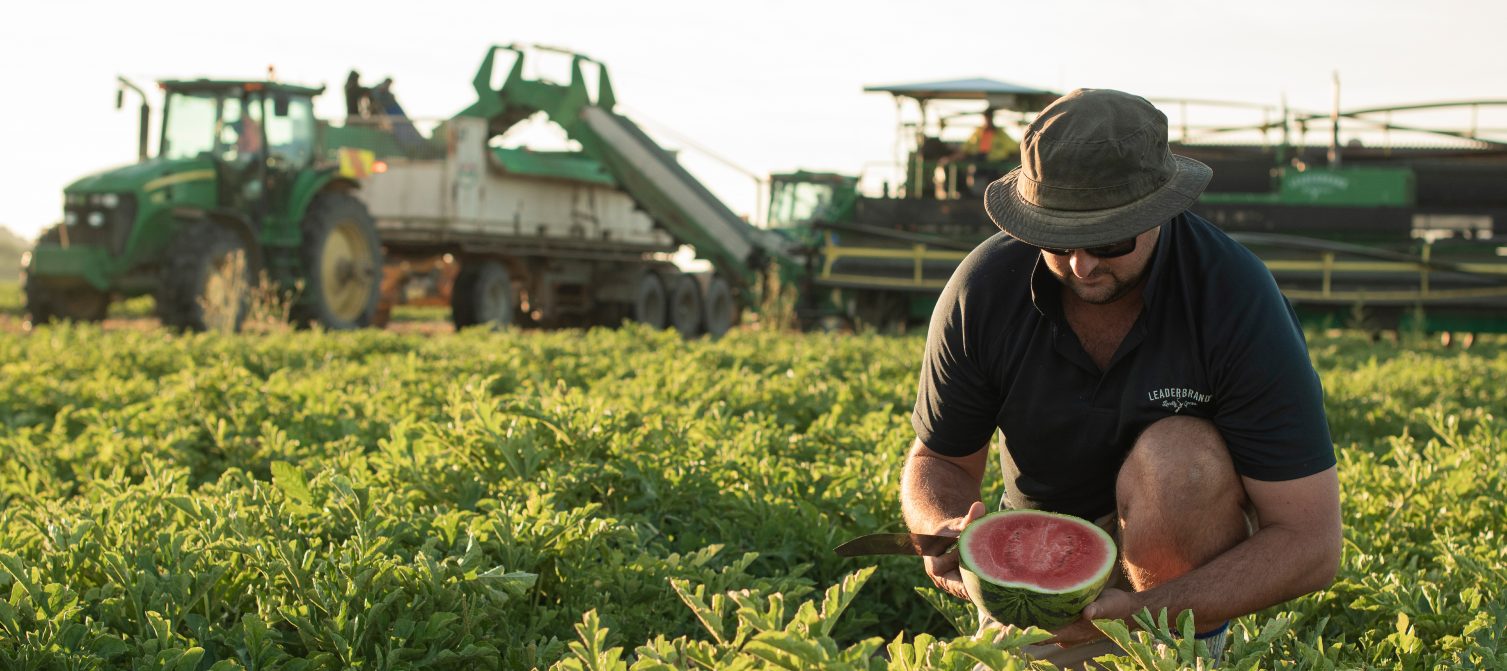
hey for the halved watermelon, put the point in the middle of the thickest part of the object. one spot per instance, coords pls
(1034, 568)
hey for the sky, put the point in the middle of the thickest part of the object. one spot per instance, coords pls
(766, 86)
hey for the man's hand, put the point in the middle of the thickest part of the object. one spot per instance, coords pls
(944, 569)
(1112, 604)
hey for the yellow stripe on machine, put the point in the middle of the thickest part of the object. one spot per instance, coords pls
(190, 176)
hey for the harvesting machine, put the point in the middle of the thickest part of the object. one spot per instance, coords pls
(1403, 226)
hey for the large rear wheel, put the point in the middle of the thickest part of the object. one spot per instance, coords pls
(342, 259)
(207, 279)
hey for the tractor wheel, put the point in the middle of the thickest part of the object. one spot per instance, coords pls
(649, 306)
(685, 306)
(721, 310)
(207, 279)
(79, 303)
(342, 260)
(483, 294)
(48, 301)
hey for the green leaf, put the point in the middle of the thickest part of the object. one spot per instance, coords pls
(290, 481)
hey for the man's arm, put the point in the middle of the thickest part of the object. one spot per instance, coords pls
(1295, 551)
(940, 495)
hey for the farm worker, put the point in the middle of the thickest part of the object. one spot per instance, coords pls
(1143, 371)
(358, 98)
(988, 142)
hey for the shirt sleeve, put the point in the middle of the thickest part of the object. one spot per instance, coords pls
(1270, 403)
(956, 406)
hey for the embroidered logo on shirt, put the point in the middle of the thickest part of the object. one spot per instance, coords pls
(1176, 399)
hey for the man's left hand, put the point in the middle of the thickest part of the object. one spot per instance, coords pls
(1112, 604)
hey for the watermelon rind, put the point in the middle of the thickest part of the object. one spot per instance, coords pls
(1026, 605)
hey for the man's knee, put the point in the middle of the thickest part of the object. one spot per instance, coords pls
(1179, 457)
(1180, 501)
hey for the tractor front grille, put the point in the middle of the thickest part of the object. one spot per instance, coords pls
(89, 222)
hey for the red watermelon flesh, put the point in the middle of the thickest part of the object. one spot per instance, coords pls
(1033, 568)
(1038, 549)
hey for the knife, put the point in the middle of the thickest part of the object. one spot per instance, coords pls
(925, 545)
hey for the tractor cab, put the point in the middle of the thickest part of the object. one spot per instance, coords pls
(255, 137)
(801, 197)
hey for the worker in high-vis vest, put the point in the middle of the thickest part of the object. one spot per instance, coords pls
(989, 143)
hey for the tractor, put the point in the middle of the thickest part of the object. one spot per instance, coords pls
(236, 200)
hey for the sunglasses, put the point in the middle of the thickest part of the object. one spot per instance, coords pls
(1108, 251)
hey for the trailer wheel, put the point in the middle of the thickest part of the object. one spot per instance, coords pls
(48, 301)
(483, 294)
(651, 305)
(685, 306)
(342, 260)
(206, 281)
(721, 310)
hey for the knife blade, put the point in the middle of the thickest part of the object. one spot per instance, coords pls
(925, 545)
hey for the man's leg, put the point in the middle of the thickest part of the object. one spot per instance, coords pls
(1180, 501)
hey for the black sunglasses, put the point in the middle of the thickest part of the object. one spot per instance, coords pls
(1108, 251)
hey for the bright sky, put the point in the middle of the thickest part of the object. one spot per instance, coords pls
(770, 86)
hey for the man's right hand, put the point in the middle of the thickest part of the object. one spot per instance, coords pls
(944, 569)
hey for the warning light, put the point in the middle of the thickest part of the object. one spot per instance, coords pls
(379, 167)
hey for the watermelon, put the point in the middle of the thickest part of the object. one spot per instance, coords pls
(1034, 568)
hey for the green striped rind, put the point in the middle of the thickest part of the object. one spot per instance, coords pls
(1023, 605)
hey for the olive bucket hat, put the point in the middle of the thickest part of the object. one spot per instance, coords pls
(1094, 169)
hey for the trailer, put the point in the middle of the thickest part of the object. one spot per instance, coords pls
(555, 238)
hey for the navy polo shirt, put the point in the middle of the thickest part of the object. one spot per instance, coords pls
(1215, 339)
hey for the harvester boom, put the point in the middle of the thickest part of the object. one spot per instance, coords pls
(664, 189)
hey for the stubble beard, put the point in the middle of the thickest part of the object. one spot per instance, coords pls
(1102, 294)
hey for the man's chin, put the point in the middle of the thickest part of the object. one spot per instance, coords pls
(1100, 293)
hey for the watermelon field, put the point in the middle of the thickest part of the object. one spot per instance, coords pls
(615, 499)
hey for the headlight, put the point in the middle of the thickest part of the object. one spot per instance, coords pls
(73, 199)
(96, 219)
(109, 200)
(70, 218)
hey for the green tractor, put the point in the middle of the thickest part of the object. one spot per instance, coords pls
(236, 196)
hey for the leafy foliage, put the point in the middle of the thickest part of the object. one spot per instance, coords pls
(624, 499)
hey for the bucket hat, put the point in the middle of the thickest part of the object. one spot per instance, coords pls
(1095, 169)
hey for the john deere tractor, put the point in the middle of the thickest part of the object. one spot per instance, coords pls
(235, 194)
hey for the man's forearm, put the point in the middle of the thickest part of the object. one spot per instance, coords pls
(1273, 565)
(933, 490)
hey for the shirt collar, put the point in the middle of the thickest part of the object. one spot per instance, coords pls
(1046, 292)
(1160, 259)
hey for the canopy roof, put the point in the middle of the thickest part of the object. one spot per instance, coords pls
(999, 95)
(248, 85)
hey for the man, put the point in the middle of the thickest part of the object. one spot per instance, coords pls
(1143, 371)
(358, 98)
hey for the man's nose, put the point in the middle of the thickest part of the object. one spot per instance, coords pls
(1083, 263)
